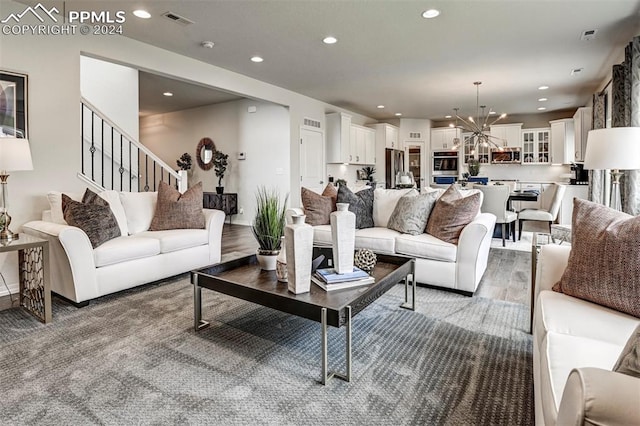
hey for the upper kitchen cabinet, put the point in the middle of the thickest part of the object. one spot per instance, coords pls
(582, 124)
(362, 146)
(338, 137)
(508, 135)
(562, 141)
(536, 146)
(387, 135)
(442, 137)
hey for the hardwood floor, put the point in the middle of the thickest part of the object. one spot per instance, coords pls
(507, 277)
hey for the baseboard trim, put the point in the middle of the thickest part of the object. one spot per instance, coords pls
(5, 301)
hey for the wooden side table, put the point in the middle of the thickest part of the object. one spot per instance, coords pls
(228, 203)
(33, 274)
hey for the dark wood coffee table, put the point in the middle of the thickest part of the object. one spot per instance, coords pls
(243, 278)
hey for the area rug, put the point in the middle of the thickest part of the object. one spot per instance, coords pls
(134, 358)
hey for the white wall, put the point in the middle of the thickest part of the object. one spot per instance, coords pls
(113, 89)
(262, 135)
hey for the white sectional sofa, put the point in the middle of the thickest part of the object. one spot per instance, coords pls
(81, 273)
(576, 343)
(438, 263)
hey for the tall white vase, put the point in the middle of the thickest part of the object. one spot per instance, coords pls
(299, 247)
(343, 234)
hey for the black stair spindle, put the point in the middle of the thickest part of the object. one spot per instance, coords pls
(92, 150)
(112, 162)
(121, 169)
(102, 150)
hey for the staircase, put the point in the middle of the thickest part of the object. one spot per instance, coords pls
(111, 159)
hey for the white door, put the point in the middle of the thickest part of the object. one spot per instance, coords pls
(311, 160)
(417, 162)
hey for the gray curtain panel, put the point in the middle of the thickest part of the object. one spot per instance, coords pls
(626, 112)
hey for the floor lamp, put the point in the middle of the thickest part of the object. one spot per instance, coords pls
(15, 155)
(615, 149)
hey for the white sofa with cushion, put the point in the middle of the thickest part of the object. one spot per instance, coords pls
(438, 263)
(576, 344)
(81, 273)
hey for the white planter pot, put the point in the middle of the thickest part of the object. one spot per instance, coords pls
(343, 235)
(299, 253)
(267, 261)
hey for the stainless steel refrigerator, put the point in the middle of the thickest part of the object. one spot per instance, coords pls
(394, 163)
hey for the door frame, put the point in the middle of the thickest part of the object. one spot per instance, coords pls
(424, 160)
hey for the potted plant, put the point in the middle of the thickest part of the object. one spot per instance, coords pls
(184, 162)
(268, 225)
(220, 163)
(473, 165)
(368, 172)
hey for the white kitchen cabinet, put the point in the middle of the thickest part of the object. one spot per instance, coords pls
(338, 137)
(387, 136)
(442, 137)
(508, 134)
(566, 208)
(536, 146)
(582, 124)
(562, 141)
(470, 150)
(362, 146)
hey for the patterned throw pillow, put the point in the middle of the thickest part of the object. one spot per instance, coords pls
(360, 203)
(604, 263)
(412, 213)
(318, 208)
(629, 361)
(178, 211)
(93, 215)
(452, 213)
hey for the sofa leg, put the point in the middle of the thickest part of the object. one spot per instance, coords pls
(76, 304)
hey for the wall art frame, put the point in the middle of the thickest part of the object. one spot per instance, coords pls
(14, 113)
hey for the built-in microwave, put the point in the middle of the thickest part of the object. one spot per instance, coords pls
(445, 163)
(508, 155)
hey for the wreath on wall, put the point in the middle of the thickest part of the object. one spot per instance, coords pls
(205, 144)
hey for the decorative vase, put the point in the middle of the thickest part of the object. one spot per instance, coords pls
(267, 259)
(281, 262)
(219, 189)
(343, 234)
(299, 252)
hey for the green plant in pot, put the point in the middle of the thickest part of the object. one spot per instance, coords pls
(369, 171)
(220, 163)
(473, 165)
(268, 225)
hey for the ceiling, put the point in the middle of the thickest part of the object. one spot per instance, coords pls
(388, 54)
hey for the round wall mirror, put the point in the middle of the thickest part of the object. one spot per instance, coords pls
(204, 153)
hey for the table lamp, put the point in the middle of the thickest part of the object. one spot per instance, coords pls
(615, 149)
(15, 155)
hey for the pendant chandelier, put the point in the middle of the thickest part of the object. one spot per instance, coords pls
(479, 127)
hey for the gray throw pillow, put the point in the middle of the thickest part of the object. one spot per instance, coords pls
(93, 215)
(412, 213)
(360, 203)
(629, 361)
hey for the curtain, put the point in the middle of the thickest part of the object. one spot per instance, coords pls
(597, 178)
(626, 112)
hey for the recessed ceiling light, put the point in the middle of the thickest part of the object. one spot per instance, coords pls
(543, 87)
(207, 44)
(142, 14)
(257, 59)
(447, 116)
(541, 109)
(451, 125)
(542, 100)
(380, 106)
(398, 114)
(431, 13)
(329, 40)
(492, 113)
(168, 94)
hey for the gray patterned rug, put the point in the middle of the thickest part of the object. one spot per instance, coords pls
(133, 358)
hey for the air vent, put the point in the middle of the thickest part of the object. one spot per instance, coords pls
(312, 123)
(415, 135)
(576, 71)
(177, 18)
(588, 35)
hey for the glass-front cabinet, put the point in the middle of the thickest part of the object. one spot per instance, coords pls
(536, 146)
(481, 152)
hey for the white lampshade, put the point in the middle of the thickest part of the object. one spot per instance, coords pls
(613, 148)
(15, 155)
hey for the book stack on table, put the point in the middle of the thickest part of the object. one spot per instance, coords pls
(329, 280)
